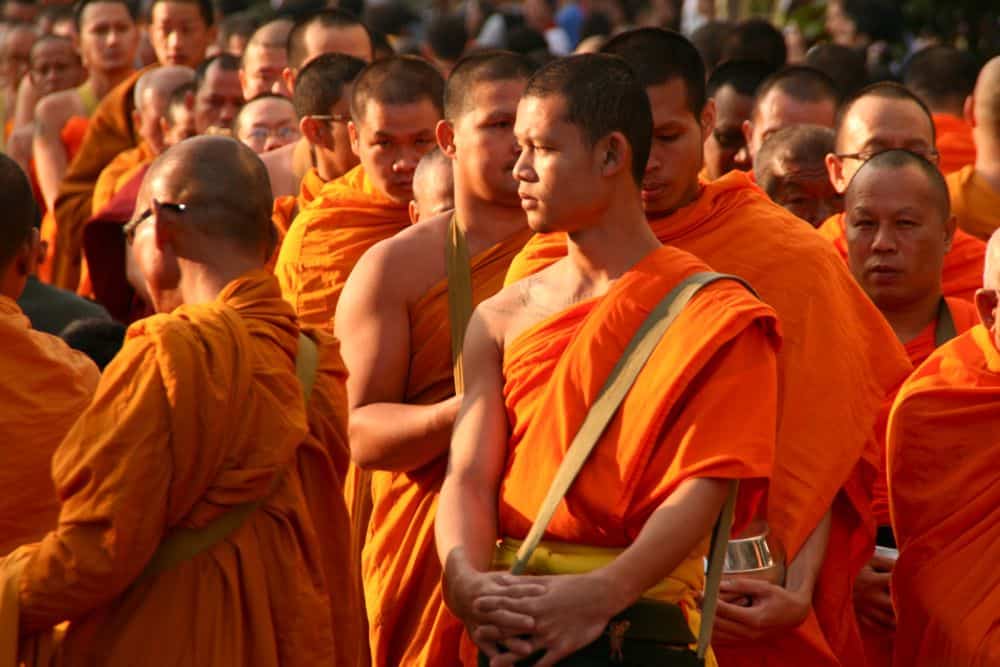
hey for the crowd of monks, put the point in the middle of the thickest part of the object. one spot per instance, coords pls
(373, 303)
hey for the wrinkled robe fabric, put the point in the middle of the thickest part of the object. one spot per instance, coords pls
(974, 203)
(827, 452)
(953, 139)
(944, 451)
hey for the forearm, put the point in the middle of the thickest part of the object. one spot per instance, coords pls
(466, 522)
(50, 165)
(401, 437)
(803, 570)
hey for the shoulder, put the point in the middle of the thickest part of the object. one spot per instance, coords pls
(62, 104)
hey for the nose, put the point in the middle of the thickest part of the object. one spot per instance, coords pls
(523, 170)
(884, 240)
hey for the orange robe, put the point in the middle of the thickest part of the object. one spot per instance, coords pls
(962, 274)
(109, 132)
(974, 203)
(328, 238)
(287, 207)
(47, 386)
(200, 412)
(953, 138)
(703, 406)
(944, 452)
(409, 623)
(827, 453)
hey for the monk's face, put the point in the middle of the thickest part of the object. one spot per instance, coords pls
(725, 146)
(108, 36)
(390, 139)
(267, 124)
(15, 54)
(218, 100)
(778, 110)
(179, 33)
(485, 147)
(349, 40)
(675, 156)
(876, 124)
(261, 71)
(803, 189)
(897, 236)
(55, 66)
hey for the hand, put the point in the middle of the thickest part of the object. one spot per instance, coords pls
(572, 612)
(751, 609)
(872, 599)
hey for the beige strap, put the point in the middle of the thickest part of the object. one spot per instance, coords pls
(615, 388)
(459, 296)
(716, 560)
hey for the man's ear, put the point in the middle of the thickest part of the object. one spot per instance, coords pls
(312, 130)
(747, 129)
(352, 131)
(708, 117)
(445, 133)
(969, 110)
(414, 212)
(835, 171)
(288, 74)
(616, 153)
(986, 304)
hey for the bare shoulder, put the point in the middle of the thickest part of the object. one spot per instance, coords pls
(520, 305)
(57, 108)
(411, 262)
(279, 170)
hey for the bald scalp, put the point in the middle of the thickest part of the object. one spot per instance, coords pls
(263, 97)
(744, 76)
(325, 18)
(801, 83)
(803, 146)
(895, 160)
(54, 40)
(395, 81)
(20, 213)
(163, 81)
(320, 85)
(481, 67)
(987, 97)
(884, 90)
(991, 268)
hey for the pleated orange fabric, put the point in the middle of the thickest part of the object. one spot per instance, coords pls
(326, 240)
(944, 451)
(47, 387)
(409, 623)
(199, 413)
(954, 142)
(827, 453)
(962, 274)
(287, 207)
(974, 203)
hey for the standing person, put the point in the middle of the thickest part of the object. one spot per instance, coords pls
(636, 521)
(731, 90)
(826, 452)
(399, 349)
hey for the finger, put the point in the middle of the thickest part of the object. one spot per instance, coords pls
(736, 613)
(745, 586)
(509, 622)
(521, 646)
(487, 647)
(726, 630)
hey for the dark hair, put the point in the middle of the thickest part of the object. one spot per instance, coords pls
(99, 339)
(484, 66)
(879, 19)
(226, 61)
(802, 83)
(888, 90)
(325, 18)
(898, 159)
(381, 47)
(205, 8)
(710, 39)
(756, 39)
(844, 65)
(397, 80)
(797, 144)
(320, 84)
(942, 76)
(745, 76)
(80, 5)
(18, 205)
(446, 37)
(596, 24)
(658, 56)
(602, 95)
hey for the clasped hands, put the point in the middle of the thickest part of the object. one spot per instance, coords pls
(753, 609)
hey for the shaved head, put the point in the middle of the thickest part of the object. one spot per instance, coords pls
(894, 160)
(153, 92)
(991, 272)
(883, 90)
(433, 187)
(483, 67)
(273, 34)
(987, 302)
(397, 81)
(986, 98)
(790, 168)
(328, 31)
(19, 208)
(942, 76)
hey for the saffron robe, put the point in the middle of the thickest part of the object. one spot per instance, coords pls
(953, 139)
(974, 203)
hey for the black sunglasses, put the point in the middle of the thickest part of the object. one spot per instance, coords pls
(129, 228)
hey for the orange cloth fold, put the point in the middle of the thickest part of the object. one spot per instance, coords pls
(326, 240)
(200, 412)
(47, 387)
(962, 273)
(287, 207)
(944, 451)
(974, 203)
(953, 139)
(827, 453)
(409, 623)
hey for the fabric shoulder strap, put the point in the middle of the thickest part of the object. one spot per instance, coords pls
(615, 388)
(459, 296)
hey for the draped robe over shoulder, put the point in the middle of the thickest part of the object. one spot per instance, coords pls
(974, 203)
(954, 142)
(827, 453)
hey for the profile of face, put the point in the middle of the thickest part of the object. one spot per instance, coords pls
(154, 261)
(874, 125)
(108, 36)
(267, 124)
(678, 140)
(218, 100)
(179, 33)
(177, 125)
(55, 66)
(261, 71)
(15, 54)
(390, 139)
(778, 110)
(804, 190)
(725, 147)
(897, 236)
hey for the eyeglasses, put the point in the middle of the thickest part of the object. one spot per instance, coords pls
(286, 133)
(331, 118)
(130, 227)
(928, 154)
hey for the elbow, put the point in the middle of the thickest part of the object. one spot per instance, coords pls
(363, 454)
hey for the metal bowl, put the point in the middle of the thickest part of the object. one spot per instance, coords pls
(755, 556)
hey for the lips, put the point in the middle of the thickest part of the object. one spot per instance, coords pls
(881, 273)
(652, 190)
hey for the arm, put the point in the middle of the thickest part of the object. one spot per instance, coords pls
(50, 154)
(373, 326)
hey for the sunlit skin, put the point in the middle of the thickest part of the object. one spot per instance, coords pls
(182, 128)
(55, 66)
(218, 100)
(179, 33)
(390, 139)
(804, 190)
(350, 40)
(778, 110)
(15, 54)
(266, 124)
(261, 71)
(725, 146)
(108, 37)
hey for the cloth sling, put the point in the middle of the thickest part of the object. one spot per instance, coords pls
(459, 296)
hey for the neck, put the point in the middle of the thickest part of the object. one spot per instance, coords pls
(102, 81)
(908, 320)
(302, 159)
(486, 223)
(988, 159)
(201, 283)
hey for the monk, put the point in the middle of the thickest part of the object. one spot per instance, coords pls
(401, 387)
(15, 58)
(975, 189)
(795, 95)
(433, 187)
(180, 31)
(639, 515)
(200, 416)
(881, 117)
(819, 499)
(898, 230)
(790, 167)
(53, 383)
(731, 90)
(264, 59)
(322, 102)
(108, 41)
(945, 585)
(218, 96)
(326, 31)
(267, 122)
(943, 77)
(395, 106)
